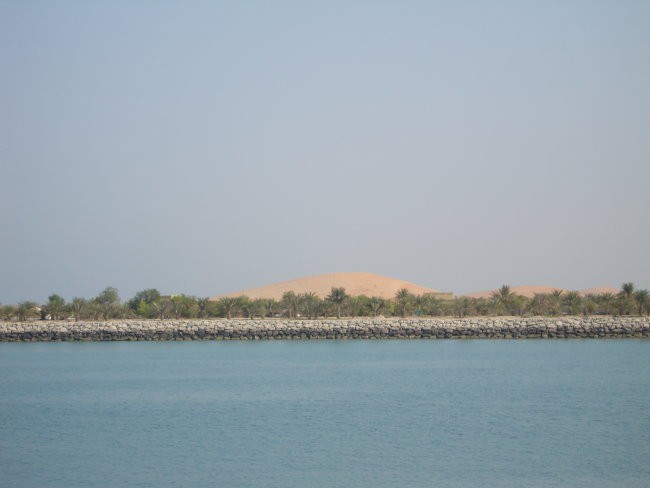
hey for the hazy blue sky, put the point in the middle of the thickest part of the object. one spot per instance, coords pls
(206, 147)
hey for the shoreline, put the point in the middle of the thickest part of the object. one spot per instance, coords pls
(318, 329)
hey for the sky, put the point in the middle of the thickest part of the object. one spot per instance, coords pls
(208, 147)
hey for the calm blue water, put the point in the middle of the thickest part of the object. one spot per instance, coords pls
(326, 414)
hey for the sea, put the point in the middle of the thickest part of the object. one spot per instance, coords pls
(324, 414)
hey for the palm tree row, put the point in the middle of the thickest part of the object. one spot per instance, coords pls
(504, 302)
(150, 304)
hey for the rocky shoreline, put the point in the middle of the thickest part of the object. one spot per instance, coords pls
(362, 328)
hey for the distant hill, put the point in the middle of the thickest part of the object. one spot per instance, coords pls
(530, 291)
(354, 283)
(597, 290)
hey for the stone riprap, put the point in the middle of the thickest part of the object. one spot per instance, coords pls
(363, 328)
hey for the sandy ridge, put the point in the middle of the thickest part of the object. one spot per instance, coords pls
(369, 284)
(354, 283)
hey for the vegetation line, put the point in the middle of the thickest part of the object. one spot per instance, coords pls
(150, 304)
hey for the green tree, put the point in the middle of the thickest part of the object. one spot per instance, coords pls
(337, 296)
(55, 307)
(625, 302)
(518, 304)
(141, 301)
(482, 306)
(377, 304)
(503, 299)
(124, 312)
(403, 301)
(364, 306)
(93, 310)
(202, 307)
(26, 310)
(555, 302)
(605, 300)
(641, 299)
(257, 307)
(308, 303)
(461, 306)
(572, 302)
(325, 308)
(77, 307)
(421, 304)
(7, 312)
(247, 306)
(290, 302)
(589, 304)
(270, 306)
(538, 304)
(108, 302)
(229, 305)
(627, 290)
(183, 306)
(354, 306)
(434, 304)
(448, 307)
(145, 309)
(160, 308)
(495, 305)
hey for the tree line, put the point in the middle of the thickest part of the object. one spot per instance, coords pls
(150, 304)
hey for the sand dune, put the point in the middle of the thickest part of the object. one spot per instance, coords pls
(530, 291)
(354, 283)
(527, 291)
(597, 290)
(375, 285)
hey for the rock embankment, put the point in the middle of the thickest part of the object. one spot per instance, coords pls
(364, 328)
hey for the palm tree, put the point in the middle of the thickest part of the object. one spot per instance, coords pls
(503, 297)
(354, 305)
(324, 308)
(432, 303)
(202, 306)
(538, 303)
(376, 305)
(555, 302)
(161, 307)
(421, 303)
(252, 307)
(461, 306)
(182, 305)
(606, 300)
(573, 301)
(626, 303)
(402, 301)
(589, 303)
(627, 289)
(641, 297)
(308, 302)
(269, 306)
(26, 310)
(520, 304)
(55, 307)
(494, 305)
(229, 305)
(77, 307)
(7, 312)
(337, 296)
(481, 305)
(290, 302)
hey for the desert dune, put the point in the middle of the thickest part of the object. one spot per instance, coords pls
(354, 283)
